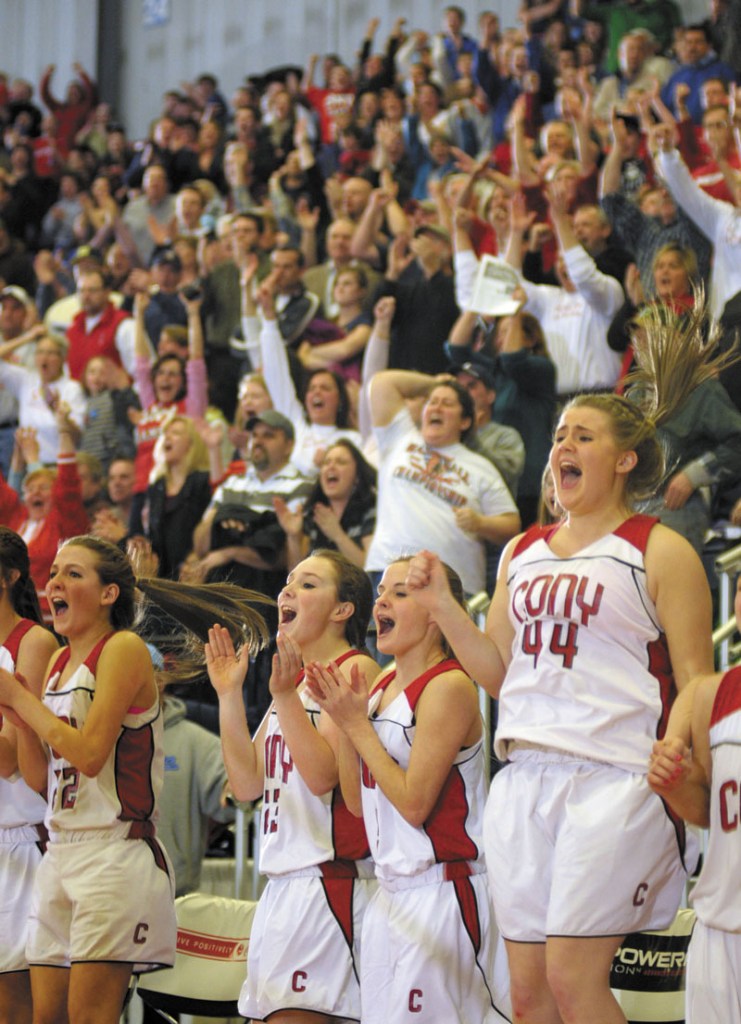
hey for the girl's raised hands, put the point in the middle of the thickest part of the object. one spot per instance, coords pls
(226, 668)
(345, 702)
(427, 581)
(286, 666)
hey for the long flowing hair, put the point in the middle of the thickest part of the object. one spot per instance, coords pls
(194, 608)
(674, 354)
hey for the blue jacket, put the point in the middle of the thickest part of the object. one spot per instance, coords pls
(694, 75)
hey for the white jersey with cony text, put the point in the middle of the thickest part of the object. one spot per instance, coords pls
(452, 832)
(123, 796)
(590, 673)
(299, 830)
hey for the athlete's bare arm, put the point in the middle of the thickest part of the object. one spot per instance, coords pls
(680, 775)
(243, 757)
(484, 656)
(679, 587)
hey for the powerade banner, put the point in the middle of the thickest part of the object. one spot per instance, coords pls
(648, 973)
(650, 962)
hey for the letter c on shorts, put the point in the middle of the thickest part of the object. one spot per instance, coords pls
(415, 1000)
(297, 981)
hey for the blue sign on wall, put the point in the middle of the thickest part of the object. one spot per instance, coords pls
(155, 12)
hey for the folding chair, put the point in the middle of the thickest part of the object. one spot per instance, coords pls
(648, 973)
(210, 962)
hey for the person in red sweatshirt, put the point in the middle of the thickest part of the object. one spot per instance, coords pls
(72, 112)
(50, 509)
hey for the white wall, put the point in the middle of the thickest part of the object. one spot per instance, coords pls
(34, 33)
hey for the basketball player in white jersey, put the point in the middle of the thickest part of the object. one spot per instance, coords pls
(703, 785)
(103, 903)
(25, 648)
(415, 770)
(593, 623)
(303, 960)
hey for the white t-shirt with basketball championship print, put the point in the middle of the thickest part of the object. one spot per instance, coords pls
(419, 487)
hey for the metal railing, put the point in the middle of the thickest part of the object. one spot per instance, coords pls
(727, 567)
(478, 607)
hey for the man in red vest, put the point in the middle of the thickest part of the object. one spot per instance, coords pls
(99, 329)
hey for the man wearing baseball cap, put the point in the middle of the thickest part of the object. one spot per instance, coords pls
(425, 299)
(165, 307)
(17, 315)
(501, 445)
(239, 537)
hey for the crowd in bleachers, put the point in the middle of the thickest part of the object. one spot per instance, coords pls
(262, 346)
(298, 262)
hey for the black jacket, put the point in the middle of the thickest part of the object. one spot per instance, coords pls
(173, 520)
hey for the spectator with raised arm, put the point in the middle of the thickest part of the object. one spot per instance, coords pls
(570, 156)
(351, 324)
(656, 221)
(71, 113)
(718, 221)
(714, 155)
(376, 71)
(330, 103)
(502, 87)
(576, 315)
(513, 351)
(481, 202)
(323, 415)
(432, 489)
(426, 308)
(49, 508)
(382, 220)
(697, 63)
